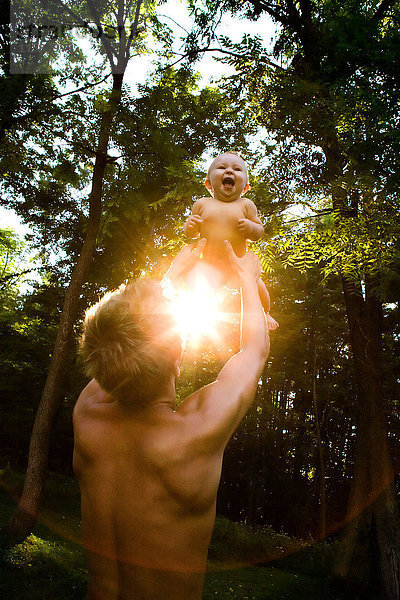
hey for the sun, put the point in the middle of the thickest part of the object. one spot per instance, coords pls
(197, 310)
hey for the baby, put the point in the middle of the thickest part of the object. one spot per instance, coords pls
(227, 215)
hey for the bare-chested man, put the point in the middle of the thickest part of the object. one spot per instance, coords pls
(149, 470)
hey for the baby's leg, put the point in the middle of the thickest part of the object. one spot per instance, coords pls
(264, 295)
(266, 304)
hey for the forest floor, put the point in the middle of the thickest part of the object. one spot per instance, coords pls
(50, 564)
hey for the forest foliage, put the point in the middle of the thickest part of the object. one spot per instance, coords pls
(319, 128)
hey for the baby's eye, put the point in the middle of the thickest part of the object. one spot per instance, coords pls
(238, 168)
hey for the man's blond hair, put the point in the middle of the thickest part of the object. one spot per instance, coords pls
(129, 342)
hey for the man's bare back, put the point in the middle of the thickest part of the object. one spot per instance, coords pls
(154, 463)
(149, 474)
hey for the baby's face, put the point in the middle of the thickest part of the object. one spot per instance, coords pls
(227, 178)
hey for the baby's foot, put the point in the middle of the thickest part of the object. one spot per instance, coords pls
(271, 323)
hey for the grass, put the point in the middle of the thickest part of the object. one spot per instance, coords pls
(50, 564)
(266, 583)
(288, 569)
(40, 569)
(237, 543)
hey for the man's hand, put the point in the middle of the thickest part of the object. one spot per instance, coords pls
(245, 228)
(185, 260)
(247, 268)
(192, 226)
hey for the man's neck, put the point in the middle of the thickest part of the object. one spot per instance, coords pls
(167, 399)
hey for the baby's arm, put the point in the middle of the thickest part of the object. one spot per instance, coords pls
(250, 226)
(192, 225)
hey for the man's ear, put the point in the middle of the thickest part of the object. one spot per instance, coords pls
(208, 185)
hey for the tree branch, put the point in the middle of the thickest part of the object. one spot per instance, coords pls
(320, 213)
(306, 9)
(33, 114)
(107, 46)
(176, 23)
(82, 23)
(272, 12)
(6, 278)
(79, 19)
(202, 50)
(75, 143)
(86, 149)
(294, 16)
(121, 20)
(133, 31)
(81, 89)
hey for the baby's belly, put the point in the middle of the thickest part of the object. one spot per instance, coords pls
(216, 236)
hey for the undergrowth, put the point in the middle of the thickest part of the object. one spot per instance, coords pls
(50, 564)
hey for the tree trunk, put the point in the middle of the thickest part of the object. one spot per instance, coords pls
(25, 515)
(321, 462)
(372, 495)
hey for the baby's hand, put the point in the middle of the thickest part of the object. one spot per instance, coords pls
(245, 227)
(192, 225)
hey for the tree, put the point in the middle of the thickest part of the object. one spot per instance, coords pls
(118, 55)
(329, 96)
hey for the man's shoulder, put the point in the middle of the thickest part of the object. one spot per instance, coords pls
(196, 411)
(91, 397)
(192, 404)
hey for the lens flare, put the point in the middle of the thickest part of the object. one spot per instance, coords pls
(196, 310)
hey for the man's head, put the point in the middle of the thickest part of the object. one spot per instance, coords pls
(130, 343)
(227, 178)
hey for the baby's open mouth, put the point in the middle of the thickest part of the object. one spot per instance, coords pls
(228, 181)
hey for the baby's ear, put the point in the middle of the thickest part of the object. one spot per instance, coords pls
(208, 185)
(246, 188)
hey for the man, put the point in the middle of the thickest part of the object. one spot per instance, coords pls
(149, 471)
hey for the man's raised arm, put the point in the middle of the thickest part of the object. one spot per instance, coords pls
(223, 404)
(185, 260)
